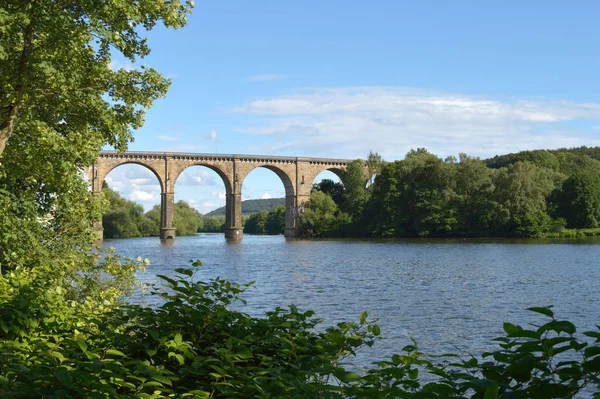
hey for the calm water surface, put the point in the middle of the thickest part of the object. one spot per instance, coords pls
(448, 295)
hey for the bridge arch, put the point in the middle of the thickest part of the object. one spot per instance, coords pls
(106, 171)
(337, 172)
(333, 190)
(222, 174)
(289, 187)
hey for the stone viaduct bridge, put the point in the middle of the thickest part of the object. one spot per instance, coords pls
(297, 175)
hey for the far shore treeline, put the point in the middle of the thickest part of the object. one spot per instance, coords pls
(537, 193)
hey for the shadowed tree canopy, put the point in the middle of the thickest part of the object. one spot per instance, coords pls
(334, 189)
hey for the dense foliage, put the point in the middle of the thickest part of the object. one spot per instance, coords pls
(251, 206)
(187, 220)
(536, 194)
(124, 218)
(213, 224)
(56, 77)
(263, 222)
(61, 100)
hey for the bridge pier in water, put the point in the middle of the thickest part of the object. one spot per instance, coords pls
(296, 174)
(234, 227)
(167, 215)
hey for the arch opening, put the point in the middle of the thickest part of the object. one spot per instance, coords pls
(330, 182)
(268, 201)
(132, 190)
(130, 166)
(200, 190)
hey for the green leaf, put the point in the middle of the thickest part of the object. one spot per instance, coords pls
(376, 330)
(178, 339)
(58, 355)
(115, 352)
(184, 271)
(363, 317)
(542, 310)
(510, 328)
(162, 379)
(348, 376)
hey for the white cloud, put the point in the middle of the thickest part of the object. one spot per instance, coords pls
(219, 194)
(212, 135)
(140, 195)
(167, 138)
(266, 196)
(351, 121)
(266, 77)
(141, 181)
(192, 177)
(116, 65)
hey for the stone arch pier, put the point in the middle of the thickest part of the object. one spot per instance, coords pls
(297, 175)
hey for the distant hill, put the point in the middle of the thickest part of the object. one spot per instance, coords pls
(251, 206)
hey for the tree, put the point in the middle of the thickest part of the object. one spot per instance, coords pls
(123, 218)
(61, 100)
(213, 224)
(186, 219)
(321, 217)
(55, 66)
(256, 223)
(521, 192)
(579, 200)
(374, 165)
(356, 194)
(335, 190)
(276, 220)
(474, 190)
(413, 197)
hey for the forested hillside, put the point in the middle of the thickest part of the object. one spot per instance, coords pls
(251, 206)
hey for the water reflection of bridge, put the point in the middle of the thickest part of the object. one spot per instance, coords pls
(296, 174)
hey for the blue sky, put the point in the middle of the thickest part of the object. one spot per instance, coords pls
(338, 79)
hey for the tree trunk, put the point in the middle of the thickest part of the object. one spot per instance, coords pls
(8, 125)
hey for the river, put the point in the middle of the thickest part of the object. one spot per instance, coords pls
(450, 295)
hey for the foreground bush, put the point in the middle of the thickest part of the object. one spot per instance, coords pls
(193, 345)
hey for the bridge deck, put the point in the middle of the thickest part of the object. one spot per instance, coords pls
(200, 156)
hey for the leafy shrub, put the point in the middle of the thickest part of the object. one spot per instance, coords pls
(191, 344)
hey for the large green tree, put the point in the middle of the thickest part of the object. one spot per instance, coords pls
(521, 192)
(125, 218)
(276, 220)
(474, 188)
(256, 223)
(356, 194)
(413, 197)
(322, 217)
(579, 199)
(334, 189)
(56, 70)
(61, 100)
